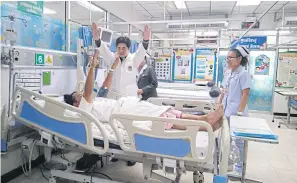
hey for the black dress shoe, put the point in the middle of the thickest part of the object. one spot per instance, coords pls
(114, 160)
(131, 163)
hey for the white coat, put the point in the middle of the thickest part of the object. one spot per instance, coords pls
(125, 73)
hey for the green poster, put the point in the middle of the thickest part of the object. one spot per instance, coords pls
(33, 7)
(46, 78)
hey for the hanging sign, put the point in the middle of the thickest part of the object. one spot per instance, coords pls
(33, 7)
(246, 25)
(252, 42)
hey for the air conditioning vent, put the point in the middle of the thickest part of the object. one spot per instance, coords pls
(200, 25)
(288, 22)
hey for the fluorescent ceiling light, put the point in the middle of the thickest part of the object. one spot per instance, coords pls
(180, 4)
(89, 6)
(211, 33)
(247, 3)
(48, 11)
(197, 33)
(132, 34)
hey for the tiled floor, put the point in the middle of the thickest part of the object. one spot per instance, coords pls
(266, 162)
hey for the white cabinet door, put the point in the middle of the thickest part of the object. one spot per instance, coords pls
(280, 104)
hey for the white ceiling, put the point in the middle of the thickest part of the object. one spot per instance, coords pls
(155, 9)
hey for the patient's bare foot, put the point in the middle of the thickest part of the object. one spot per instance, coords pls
(215, 117)
(95, 31)
(218, 125)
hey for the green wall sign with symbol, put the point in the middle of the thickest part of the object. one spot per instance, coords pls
(39, 59)
(33, 7)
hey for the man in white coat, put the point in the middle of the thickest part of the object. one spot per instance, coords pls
(124, 75)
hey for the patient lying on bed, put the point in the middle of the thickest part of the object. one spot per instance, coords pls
(103, 108)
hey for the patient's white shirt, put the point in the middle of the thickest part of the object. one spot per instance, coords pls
(103, 108)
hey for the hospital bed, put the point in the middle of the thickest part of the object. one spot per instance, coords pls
(171, 151)
(174, 94)
(185, 94)
(183, 86)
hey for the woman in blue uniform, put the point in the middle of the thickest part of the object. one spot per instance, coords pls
(236, 86)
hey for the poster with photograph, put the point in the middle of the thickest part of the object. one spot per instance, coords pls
(205, 64)
(183, 66)
(163, 63)
(287, 69)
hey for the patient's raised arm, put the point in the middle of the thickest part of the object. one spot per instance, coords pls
(89, 86)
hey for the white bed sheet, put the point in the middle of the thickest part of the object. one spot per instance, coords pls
(203, 94)
(181, 86)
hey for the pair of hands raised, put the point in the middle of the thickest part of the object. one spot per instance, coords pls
(95, 60)
(96, 31)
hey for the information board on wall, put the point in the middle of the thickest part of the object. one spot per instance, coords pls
(183, 64)
(205, 63)
(261, 67)
(287, 70)
(162, 63)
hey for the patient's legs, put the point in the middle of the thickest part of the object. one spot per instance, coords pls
(213, 118)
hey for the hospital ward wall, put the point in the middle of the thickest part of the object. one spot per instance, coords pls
(55, 73)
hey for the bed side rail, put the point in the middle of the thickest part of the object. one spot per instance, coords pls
(184, 104)
(224, 147)
(76, 129)
(178, 145)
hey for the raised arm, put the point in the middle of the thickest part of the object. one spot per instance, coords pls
(89, 86)
(107, 82)
(141, 51)
(107, 55)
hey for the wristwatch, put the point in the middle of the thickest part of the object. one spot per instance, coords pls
(110, 71)
(240, 113)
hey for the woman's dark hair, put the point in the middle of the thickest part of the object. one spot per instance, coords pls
(124, 40)
(68, 98)
(244, 60)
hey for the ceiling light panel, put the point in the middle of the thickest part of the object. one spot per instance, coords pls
(180, 4)
(48, 11)
(247, 3)
(89, 6)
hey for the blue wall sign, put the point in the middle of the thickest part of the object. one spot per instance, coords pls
(252, 42)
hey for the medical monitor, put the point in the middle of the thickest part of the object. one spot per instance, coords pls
(106, 35)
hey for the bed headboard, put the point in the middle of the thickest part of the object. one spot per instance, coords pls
(51, 117)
